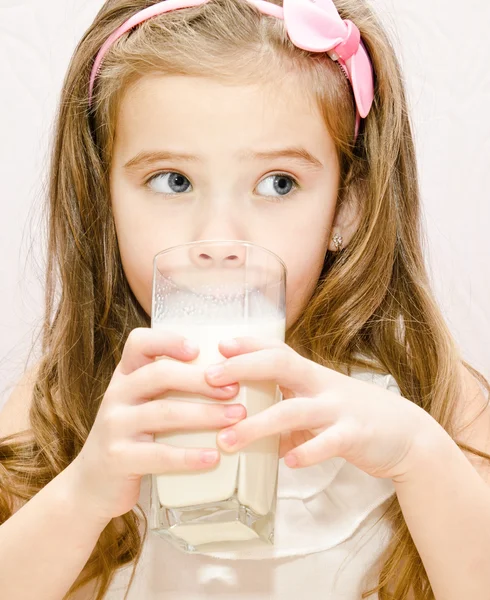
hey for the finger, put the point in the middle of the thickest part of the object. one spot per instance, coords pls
(155, 458)
(291, 439)
(157, 378)
(295, 414)
(245, 345)
(286, 443)
(282, 365)
(144, 345)
(329, 444)
(174, 415)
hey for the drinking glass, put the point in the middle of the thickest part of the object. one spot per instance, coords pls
(212, 291)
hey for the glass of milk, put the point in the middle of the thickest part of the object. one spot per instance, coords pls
(212, 291)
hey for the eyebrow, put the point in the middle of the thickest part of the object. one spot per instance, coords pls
(296, 153)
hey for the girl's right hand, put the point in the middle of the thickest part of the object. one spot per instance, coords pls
(120, 447)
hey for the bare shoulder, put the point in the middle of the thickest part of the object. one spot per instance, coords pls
(473, 420)
(14, 416)
(87, 592)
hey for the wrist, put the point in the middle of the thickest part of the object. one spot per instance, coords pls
(73, 499)
(432, 448)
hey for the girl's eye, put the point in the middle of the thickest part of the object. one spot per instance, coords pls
(282, 185)
(169, 183)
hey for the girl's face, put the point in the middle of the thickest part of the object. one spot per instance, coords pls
(195, 159)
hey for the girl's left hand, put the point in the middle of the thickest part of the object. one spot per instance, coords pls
(326, 414)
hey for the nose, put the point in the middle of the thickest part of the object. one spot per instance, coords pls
(220, 254)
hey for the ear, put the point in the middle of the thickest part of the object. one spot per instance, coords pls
(345, 223)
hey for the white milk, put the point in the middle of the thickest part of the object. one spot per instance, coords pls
(252, 472)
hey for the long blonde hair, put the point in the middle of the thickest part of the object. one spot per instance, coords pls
(372, 300)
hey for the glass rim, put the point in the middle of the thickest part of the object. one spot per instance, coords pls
(221, 242)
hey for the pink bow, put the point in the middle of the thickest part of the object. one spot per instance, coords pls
(315, 25)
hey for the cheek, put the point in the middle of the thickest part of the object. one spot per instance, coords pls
(304, 261)
(303, 277)
(139, 241)
(137, 262)
(142, 232)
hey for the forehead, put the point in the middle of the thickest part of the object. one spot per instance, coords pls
(202, 113)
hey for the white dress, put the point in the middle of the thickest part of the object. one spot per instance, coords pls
(328, 534)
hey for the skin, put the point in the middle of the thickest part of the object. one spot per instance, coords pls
(231, 197)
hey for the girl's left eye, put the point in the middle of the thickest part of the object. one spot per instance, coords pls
(279, 183)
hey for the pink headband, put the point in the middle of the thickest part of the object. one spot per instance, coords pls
(313, 25)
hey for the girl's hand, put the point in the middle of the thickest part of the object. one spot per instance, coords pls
(120, 447)
(326, 414)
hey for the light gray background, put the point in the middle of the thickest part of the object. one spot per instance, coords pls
(445, 55)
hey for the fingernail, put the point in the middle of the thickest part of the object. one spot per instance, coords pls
(227, 437)
(190, 347)
(233, 411)
(290, 460)
(209, 456)
(215, 371)
(231, 344)
(228, 389)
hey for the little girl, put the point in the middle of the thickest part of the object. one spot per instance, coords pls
(285, 125)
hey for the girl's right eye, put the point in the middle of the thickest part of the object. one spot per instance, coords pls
(169, 182)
